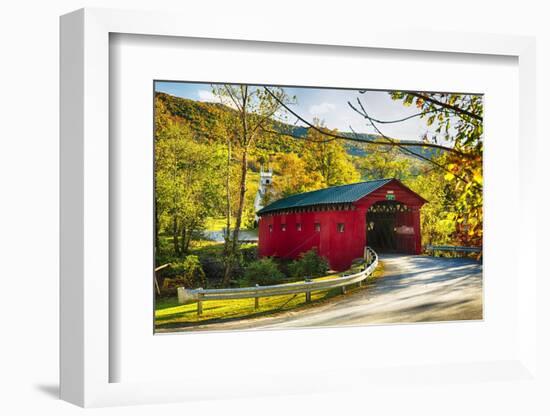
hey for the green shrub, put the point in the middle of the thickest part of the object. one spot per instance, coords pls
(214, 268)
(187, 273)
(310, 264)
(263, 272)
(192, 270)
(249, 253)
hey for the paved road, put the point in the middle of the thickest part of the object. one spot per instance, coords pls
(413, 289)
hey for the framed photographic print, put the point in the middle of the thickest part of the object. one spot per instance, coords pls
(253, 215)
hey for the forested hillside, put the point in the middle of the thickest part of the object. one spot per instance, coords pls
(202, 116)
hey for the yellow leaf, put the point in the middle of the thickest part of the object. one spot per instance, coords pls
(478, 178)
(449, 176)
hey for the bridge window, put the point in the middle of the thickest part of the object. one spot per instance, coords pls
(317, 226)
(340, 227)
(270, 228)
(283, 227)
(298, 226)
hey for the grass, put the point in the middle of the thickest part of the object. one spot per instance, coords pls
(203, 247)
(212, 248)
(217, 223)
(220, 223)
(170, 314)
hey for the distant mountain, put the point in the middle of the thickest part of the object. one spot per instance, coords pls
(202, 117)
(355, 148)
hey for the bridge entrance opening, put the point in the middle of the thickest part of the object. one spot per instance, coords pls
(390, 227)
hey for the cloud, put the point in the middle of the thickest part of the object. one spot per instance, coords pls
(323, 108)
(206, 95)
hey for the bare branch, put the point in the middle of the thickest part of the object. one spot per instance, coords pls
(368, 141)
(405, 118)
(390, 140)
(379, 151)
(261, 122)
(305, 138)
(363, 113)
(232, 97)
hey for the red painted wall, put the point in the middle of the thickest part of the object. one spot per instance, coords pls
(340, 248)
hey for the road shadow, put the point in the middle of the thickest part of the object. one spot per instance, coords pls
(457, 272)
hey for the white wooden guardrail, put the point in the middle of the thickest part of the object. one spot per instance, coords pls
(454, 249)
(200, 295)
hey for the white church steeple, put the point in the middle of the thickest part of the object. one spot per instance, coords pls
(266, 180)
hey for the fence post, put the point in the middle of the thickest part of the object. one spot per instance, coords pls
(257, 299)
(308, 293)
(343, 287)
(199, 303)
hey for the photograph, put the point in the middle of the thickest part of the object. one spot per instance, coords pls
(282, 207)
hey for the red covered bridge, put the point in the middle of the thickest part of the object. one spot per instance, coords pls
(341, 220)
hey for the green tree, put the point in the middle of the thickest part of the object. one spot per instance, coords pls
(187, 181)
(387, 163)
(253, 109)
(328, 157)
(292, 176)
(437, 228)
(458, 118)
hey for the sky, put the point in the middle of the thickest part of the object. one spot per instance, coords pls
(329, 105)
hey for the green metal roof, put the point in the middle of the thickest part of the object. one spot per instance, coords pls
(333, 195)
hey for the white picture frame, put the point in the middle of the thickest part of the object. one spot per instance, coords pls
(85, 182)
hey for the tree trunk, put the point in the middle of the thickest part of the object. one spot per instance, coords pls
(227, 234)
(188, 242)
(228, 196)
(187, 235)
(238, 220)
(157, 230)
(242, 193)
(175, 236)
(184, 237)
(245, 143)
